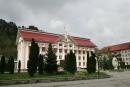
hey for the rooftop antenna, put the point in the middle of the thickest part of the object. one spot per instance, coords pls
(66, 33)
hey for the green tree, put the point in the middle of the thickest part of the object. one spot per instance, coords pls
(11, 65)
(70, 62)
(88, 63)
(110, 65)
(33, 57)
(40, 64)
(51, 63)
(2, 64)
(32, 27)
(122, 64)
(8, 33)
(66, 62)
(19, 66)
(107, 62)
(91, 63)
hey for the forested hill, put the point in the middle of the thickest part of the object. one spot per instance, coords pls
(8, 33)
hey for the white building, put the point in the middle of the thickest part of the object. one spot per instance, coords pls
(121, 49)
(62, 44)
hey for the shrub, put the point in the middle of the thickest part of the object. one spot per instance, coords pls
(40, 64)
(19, 66)
(11, 65)
(2, 64)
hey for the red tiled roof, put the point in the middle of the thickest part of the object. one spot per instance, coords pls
(84, 42)
(53, 37)
(119, 47)
(39, 36)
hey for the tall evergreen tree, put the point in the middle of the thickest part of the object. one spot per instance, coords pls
(67, 62)
(11, 65)
(70, 62)
(33, 57)
(19, 66)
(93, 61)
(51, 63)
(40, 64)
(2, 64)
(88, 63)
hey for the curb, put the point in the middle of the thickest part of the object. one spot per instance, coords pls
(45, 80)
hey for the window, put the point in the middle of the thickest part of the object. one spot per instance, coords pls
(60, 57)
(55, 50)
(65, 50)
(60, 50)
(60, 44)
(70, 45)
(83, 63)
(65, 45)
(79, 63)
(79, 58)
(83, 52)
(79, 51)
(83, 58)
(43, 49)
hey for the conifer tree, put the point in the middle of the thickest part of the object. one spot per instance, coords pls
(40, 64)
(2, 64)
(88, 63)
(11, 65)
(70, 62)
(33, 57)
(19, 66)
(67, 62)
(93, 61)
(51, 62)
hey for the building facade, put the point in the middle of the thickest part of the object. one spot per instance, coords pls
(122, 51)
(62, 44)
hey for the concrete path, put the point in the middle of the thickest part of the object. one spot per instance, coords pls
(118, 79)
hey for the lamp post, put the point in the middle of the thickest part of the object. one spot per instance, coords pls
(98, 65)
(98, 54)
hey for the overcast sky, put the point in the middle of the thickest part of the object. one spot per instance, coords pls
(105, 22)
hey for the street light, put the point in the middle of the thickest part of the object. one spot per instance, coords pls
(98, 65)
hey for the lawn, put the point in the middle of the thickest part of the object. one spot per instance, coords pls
(25, 76)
